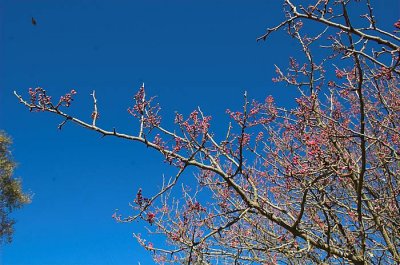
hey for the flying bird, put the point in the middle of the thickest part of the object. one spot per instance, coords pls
(34, 21)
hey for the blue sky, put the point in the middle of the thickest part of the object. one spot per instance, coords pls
(188, 53)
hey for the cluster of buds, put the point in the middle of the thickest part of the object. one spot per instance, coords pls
(384, 73)
(150, 218)
(196, 207)
(143, 110)
(39, 98)
(67, 99)
(194, 125)
(140, 200)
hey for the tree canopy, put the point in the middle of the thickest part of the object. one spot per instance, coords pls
(11, 195)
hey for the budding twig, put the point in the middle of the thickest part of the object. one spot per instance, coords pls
(142, 113)
(95, 113)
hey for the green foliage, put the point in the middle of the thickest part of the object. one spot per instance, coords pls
(11, 195)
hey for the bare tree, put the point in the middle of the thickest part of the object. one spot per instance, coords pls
(318, 183)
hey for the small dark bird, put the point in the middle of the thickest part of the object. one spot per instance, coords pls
(34, 21)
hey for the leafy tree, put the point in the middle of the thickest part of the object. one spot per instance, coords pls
(11, 195)
(318, 183)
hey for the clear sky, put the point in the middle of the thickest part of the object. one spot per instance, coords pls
(188, 53)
